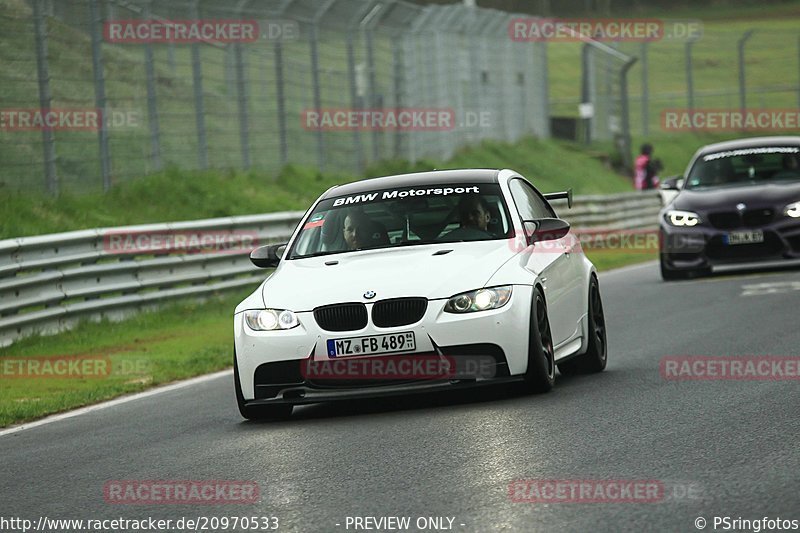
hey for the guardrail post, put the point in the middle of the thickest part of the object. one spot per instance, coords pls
(95, 20)
(199, 104)
(152, 107)
(742, 85)
(45, 98)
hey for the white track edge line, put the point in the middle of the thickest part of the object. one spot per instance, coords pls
(116, 401)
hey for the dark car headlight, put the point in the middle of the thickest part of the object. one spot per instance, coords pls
(479, 300)
(270, 319)
(792, 210)
(682, 219)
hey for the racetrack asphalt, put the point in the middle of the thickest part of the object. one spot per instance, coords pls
(724, 448)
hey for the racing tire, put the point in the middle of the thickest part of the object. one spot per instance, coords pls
(257, 412)
(596, 356)
(541, 373)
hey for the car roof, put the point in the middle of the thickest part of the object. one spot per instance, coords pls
(751, 142)
(435, 177)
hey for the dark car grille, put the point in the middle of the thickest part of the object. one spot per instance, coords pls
(341, 317)
(398, 312)
(750, 219)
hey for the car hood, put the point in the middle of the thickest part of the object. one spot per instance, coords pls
(303, 284)
(774, 194)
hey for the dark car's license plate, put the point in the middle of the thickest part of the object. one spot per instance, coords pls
(744, 237)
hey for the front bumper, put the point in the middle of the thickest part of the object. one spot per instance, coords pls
(270, 363)
(703, 246)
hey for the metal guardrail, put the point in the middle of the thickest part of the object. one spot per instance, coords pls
(50, 282)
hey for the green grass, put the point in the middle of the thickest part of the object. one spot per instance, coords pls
(187, 195)
(180, 341)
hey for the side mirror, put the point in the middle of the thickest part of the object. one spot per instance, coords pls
(673, 183)
(545, 229)
(267, 256)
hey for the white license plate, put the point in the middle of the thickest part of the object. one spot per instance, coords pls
(374, 344)
(744, 237)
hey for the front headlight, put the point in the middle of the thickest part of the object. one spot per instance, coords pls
(792, 210)
(479, 300)
(682, 218)
(270, 319)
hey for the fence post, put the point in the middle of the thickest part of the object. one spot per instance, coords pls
(241, 92)
(95, 20)
(199, 104)
(625, 112)
(314, 31)
(798, 71)
(645, 93)
(45, 98)
(373, 96)
(689, 80)
(281, 103)
(351, 74)
(586, 91)
(152, 107)
(742, 85)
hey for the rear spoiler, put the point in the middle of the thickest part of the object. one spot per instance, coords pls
(561, 196)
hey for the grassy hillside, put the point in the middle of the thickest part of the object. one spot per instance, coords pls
(188, 195)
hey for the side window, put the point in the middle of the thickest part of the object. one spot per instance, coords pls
(530, 204)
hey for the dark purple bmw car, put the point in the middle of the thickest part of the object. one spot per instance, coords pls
(739, 202)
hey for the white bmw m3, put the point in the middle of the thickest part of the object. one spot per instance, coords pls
(415, 283)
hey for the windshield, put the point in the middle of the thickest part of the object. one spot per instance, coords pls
(404, 217)
(745, 166)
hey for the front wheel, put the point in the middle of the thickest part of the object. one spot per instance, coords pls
(257, 412)
(541, 373)
(596, 356)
